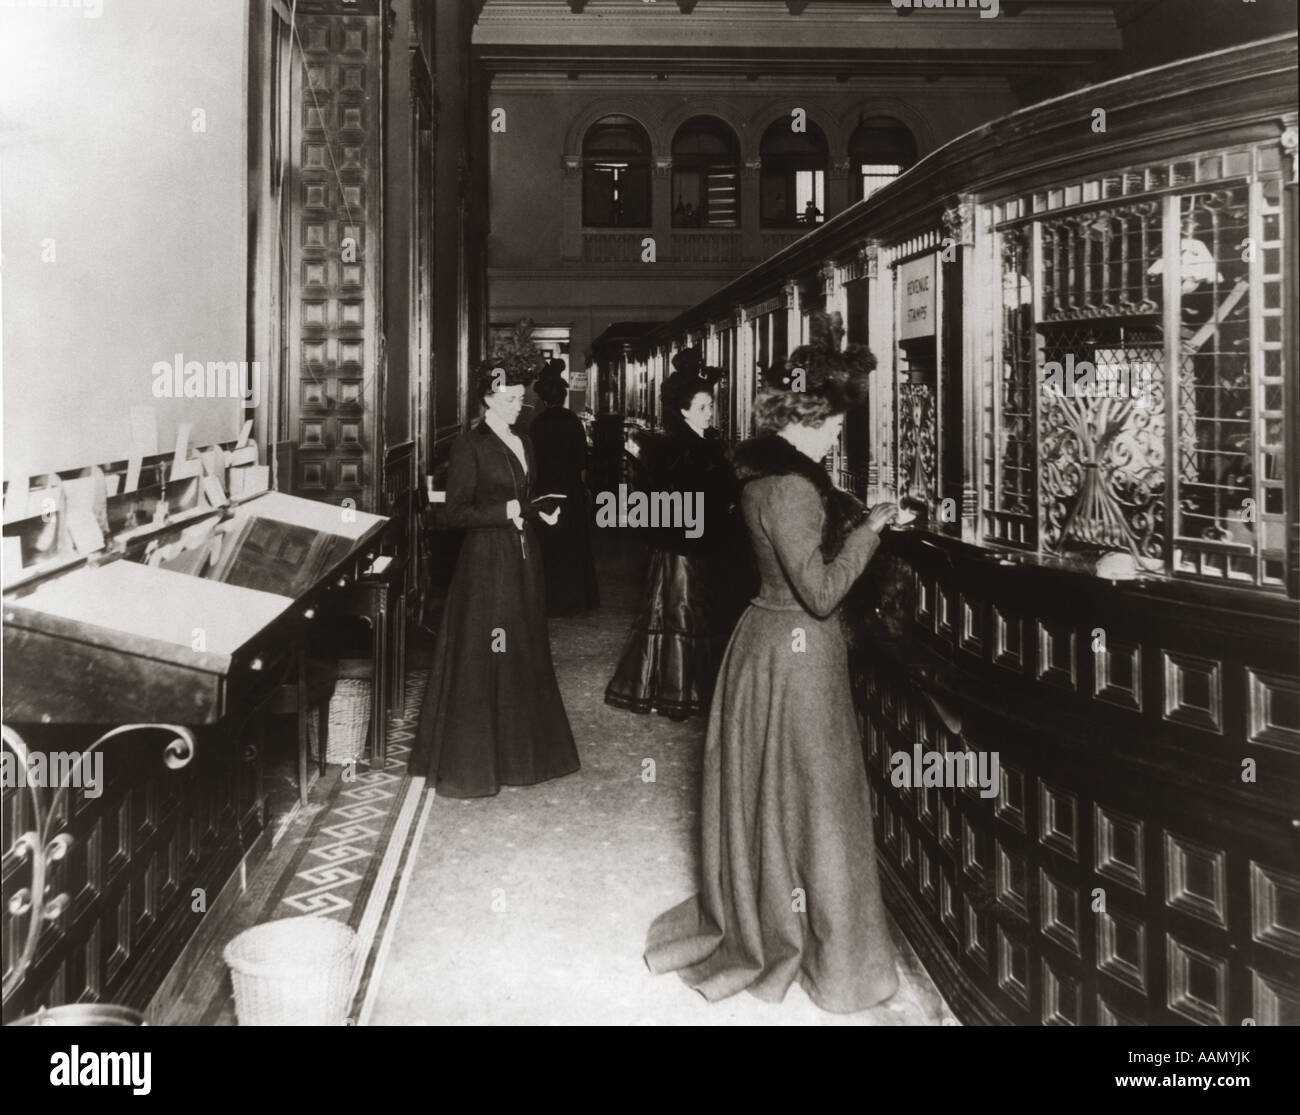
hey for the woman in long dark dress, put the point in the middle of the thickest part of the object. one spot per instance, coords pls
(492, 713)
(560, 444)
(789, 889)
(671, 657)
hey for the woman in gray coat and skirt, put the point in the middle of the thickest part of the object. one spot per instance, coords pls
(788, 888)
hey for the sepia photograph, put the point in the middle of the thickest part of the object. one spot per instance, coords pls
(651, 513)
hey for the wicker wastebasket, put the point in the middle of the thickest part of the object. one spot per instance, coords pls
(349, 719)
(82, 1014)
(293, 972)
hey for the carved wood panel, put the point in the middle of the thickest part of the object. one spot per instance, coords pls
(1124, 872)
(334, 355)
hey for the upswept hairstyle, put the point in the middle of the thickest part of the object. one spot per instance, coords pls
(689, 378)
(517, 358)
(833, 381)
(488, 378)
(551, 386)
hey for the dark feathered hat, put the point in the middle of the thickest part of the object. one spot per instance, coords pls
(516, 355)
(821, 367)
(689, 377)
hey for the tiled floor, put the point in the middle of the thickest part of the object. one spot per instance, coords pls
(339, 856)
(531, 907)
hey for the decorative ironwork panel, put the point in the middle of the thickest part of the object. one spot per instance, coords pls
(1102, 439)
(1013, 511)
(1102, 263)
(917, 440)
(1096, 363)
(1216, 469)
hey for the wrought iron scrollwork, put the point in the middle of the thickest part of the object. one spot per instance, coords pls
(1103, 458)
(918, 441)
(43, 847)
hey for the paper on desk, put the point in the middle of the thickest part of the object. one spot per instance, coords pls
(86, 535)
(258, 479)
(99, 488)
(80, 491)
(46, 502)
(89, 494)
(16, 496)
(213, 492)
(213, 459)
(244, 432)
(198, 534)
(87, 500)
(182, 450)
(132, 472)
(13, 557)
(185, 470)
(213, 488)
(244, 455)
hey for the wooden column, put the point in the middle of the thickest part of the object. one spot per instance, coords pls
(335, 374)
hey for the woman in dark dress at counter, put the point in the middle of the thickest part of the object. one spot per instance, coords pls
(560, 444)
(492, 712)
(788, 883)
(672, 652)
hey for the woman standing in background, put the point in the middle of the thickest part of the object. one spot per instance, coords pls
(560, 443)
(492, 712)
(671, 656)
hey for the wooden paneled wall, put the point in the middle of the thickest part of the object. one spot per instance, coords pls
(1138, 864)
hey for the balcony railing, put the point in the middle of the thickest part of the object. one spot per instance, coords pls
(773, 242)
(706, 245)
(612, 247)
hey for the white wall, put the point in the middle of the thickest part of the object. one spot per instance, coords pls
(147, 217)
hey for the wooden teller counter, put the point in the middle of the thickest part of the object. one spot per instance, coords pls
(1084, 321)
(145, 632)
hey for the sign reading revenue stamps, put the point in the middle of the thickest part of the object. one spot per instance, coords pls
(916, 305)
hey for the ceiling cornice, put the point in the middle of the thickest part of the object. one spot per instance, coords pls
(679, 84)
(865, 37)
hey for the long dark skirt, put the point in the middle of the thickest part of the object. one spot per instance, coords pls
(492, 712)
(788, 883)
(669, 662)
(567, 558)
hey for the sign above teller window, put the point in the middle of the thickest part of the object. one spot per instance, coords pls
(916, 305)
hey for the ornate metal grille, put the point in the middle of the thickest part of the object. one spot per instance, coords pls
(1013, 504)
(1099, 263)
(1103, 455)
(917, 449)
(1216, 467)
(1102, 441)
(1093, 288)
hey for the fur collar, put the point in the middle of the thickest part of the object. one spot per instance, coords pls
(772, 455)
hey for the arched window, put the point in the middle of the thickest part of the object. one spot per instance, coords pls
(706, 175)
(616, 174)
(792, 183)
(880, 150)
